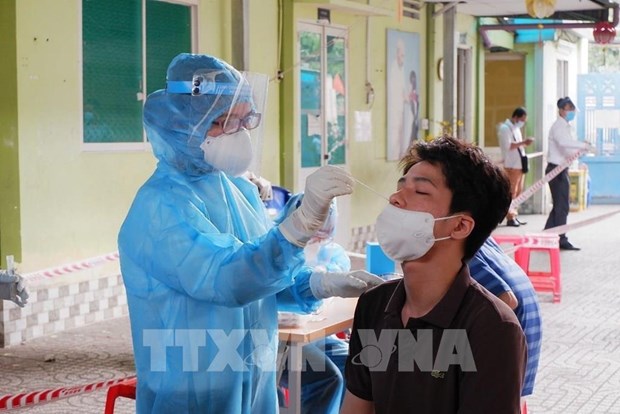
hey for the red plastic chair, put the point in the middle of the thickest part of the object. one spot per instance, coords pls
(125, 389)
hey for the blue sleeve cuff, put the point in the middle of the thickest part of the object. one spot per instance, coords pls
(298, 297)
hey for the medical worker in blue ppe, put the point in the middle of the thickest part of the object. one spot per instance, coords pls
(322, 389)
(201, 261)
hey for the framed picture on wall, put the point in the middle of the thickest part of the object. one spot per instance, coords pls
(403, 99)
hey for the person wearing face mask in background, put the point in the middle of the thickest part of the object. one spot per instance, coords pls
(513, 146)
(436, 341)
(562, 145)
(204, 267)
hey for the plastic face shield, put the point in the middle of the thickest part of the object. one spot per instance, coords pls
(223, 102)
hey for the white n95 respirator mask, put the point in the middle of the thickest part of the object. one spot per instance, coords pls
(232, 154)
(406, 235)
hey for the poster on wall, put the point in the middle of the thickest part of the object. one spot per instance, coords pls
(403, 101)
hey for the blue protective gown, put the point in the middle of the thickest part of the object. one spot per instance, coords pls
(202, 264)
(322, 390)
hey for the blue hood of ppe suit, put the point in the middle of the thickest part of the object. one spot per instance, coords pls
(176, 124)
(204, 268)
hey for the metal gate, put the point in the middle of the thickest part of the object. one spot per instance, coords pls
(598, 121)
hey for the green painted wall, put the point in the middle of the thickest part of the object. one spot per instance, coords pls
(264, 58)
(72, 202)
(288, 156)
(10, 240)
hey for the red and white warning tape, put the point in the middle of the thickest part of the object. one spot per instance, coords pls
(548, 177)
(12, 402)
(538, 240)
(72, 267)
(573, 226)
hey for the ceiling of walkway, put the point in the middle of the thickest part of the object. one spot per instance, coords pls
(579, 10)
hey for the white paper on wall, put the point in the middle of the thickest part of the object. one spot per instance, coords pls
(314, 125)
(363, 126)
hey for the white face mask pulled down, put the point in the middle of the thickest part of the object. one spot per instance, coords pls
(232, 154)
(406, 235)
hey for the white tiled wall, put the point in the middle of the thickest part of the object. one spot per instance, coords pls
(359, 237)
(53, 309)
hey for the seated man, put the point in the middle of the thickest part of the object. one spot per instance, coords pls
(435, 341)
(503, 277)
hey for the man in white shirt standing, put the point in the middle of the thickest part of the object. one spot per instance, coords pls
(513, 146)
(562, 145)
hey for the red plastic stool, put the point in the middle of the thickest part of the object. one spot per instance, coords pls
(125, 389)
(514, 240)
(542, 280)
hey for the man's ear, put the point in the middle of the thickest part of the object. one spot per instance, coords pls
(464, 228)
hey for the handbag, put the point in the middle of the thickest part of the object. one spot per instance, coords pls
(525, 163)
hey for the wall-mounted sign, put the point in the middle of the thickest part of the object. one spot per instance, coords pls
(323, 15)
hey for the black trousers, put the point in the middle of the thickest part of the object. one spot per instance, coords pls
(560, 187)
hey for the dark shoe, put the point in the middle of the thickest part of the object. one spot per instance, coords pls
(521, 223)
(566, 245)
(512, 223)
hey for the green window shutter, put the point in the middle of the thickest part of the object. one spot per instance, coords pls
(112, 71)
(168, 34)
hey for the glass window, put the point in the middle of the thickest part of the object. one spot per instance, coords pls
(120, 67)
(323, 103)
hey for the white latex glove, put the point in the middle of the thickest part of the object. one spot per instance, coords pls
(12, 288)
(347, 285)
(322, 186)
(264, 187)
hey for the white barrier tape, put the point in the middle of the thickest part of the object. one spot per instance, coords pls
(12, 402)
(573, 226)
(531, 240)
(72, 267)
(356, 255)
(548, 177)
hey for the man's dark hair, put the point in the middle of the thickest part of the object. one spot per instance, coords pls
(566, 101)
(479, 187)
(519, 112)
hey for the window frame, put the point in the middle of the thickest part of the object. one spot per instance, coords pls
(144, 144)
(324, 31)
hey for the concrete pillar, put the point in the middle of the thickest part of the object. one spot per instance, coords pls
(239, 33)
(449, 59)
